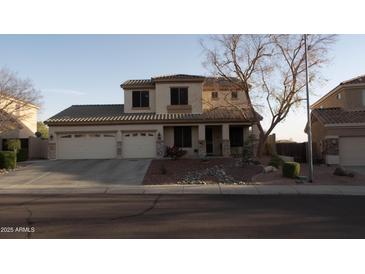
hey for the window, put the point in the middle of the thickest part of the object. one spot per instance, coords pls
(338, 96)
(109, 135)
(236, 136)
(66, 136)
(214, 95)
(182, 136)
(179, 96)
(94, 135)
(79, 135)
(141, 99)
(234, 95)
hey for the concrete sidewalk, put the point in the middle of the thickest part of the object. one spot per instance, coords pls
(196, 189)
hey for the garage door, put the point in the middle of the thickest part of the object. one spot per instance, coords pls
(86, 146)
(352, 151)
(139, 145)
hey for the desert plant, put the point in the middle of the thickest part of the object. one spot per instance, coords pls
(276, 161)
(7, 159)
(291, 169)
(175, 152)
(247, 151)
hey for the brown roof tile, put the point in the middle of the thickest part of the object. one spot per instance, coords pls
(142, 83)
(339, 116)
(357, 80)
(99, 114)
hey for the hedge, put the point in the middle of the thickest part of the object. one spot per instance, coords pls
(7, 159)
(291, 169)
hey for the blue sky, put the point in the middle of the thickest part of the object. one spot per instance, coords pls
(88, 69)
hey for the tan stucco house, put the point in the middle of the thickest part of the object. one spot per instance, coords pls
(202, 115)
(338, 124)
(23, 119)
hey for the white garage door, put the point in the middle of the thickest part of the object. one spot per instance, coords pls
(139, 145)
(352, 151)
(86, 146)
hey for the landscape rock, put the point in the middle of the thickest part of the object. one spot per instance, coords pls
(199, 177)
(268, 169)
(340, 171)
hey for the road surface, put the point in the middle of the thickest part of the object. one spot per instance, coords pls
(181, 216)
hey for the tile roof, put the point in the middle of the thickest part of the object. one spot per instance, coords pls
(339, 116)
(178, 77)
(357, 80)
(220, 83)
(209, 83)
(114, 114)
(142, 83)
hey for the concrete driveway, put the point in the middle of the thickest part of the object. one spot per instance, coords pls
(77, 173)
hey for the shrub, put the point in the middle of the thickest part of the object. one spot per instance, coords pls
(175, 152)
(13, 144)
(291, 169)
(276, 161)
(7, 159)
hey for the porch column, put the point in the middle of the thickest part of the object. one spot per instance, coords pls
(226, 145)
(51, 151)
(160, 144)
(119, 144)
(202, 149)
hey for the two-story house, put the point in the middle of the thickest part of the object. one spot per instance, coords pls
(20, 118)
(203, 116)
(338, 124)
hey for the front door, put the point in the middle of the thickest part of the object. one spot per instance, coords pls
(209, 139)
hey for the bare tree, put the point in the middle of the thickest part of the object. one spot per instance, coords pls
(17, 97)
(269, 69)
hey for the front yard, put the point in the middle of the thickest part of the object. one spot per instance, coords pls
(229, 171)
(323, 175)
(197, 171)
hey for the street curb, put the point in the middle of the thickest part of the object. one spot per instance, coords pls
(251, 190)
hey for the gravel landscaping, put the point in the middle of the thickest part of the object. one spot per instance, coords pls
(323, 175)
(196, 171)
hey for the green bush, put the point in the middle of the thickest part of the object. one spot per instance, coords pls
(291, 169)
(276, 161)
(7, 159)
(13, 144)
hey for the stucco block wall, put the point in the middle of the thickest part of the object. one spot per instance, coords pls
(194, 96)
(128, 106)
(27, 116)
(223, 100)
(351, 98)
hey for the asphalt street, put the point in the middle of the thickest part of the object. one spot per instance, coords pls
(181, 216)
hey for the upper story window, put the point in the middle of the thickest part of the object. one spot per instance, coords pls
(179, 96)
(234, 95)
(338, 96)
(214, 95)
(140, 99)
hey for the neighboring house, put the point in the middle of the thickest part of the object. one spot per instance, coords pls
(338, 124)
(23, 119)
(203, 116)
